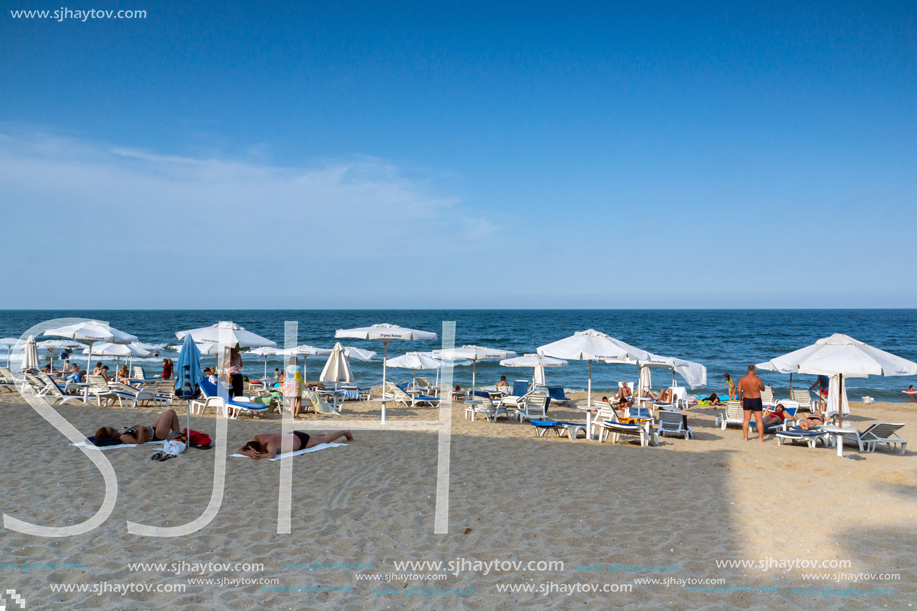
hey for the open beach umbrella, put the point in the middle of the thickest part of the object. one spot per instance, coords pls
(359, 354)
(265, 351)
(118, 350)
(415, 361)
(537, 363)
(592, 345)
(188, 374)
(474, 354)
(205, 348)
(842, 356)
(237, 337)
(384, 332)
(92, 331)
(305, 351)
(694, 374)
(8, 343)
(59, 344)
(30, 355)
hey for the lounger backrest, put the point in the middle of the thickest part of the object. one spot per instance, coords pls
(767, 395)
(6, 375)
(881, 430)
(802, 397)
(51, 385)
(557, 392)
(520, 387)
(536, 406)
(138, 373)
(670, 421)
(734, 410)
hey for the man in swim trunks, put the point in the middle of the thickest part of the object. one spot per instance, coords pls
(269, 445)
(750, 387)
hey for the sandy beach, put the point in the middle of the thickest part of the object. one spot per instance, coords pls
(624, 512)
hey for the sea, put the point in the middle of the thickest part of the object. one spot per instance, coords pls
(725, 341)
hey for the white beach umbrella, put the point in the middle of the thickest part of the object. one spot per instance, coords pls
(237, 337)
(537, 363)
(30, 355)
(337, 369)
(307, 351)
(415, 361)
(359, 354)
(92, 331)
(384, 332)
(694, 374)
(118, 350)
(592, 345)
(57, 344)
(474, 354)
(842, 356)
(837, 395)
(265, 351)
(644, 381)
(8, 343)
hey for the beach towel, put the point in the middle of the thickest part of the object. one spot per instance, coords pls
(318, 404)
(320, 446)
(88, 444)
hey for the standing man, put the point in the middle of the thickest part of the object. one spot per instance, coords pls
(750, 387)
(822, 384)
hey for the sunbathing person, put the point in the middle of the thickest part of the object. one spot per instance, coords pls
(714, 399)
(814, 420)
(137, 434)
(666, 396)
(777, 416)
(268, 445)
(503, 385)
(123, 376)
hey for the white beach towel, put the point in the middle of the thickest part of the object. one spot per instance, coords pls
(320, 446)
(86, 444)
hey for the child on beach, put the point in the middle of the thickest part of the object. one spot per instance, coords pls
(730, 385)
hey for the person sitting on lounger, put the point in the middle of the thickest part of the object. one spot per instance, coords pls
(666, 396)
(502, 385)
(211, 375)
(268, 445)
(137, 434)
(75, 375)
(814, 420)
(98, 369)
(623, 392)
(123, 376)
(777, 416)
(104, 373)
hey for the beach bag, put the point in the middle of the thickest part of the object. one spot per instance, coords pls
(174, 447)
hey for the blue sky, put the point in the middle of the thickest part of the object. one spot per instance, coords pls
(460, 155)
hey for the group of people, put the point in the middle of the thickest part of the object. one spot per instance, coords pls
(262, 446)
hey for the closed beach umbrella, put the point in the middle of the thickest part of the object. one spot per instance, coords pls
(644, 381)
(337, 369)
(30, 355)
(92, 331)
(592, 345)
(842, 356)
(474, 354)
(226, 332)
(188, 375)
(537, 363)
(385, 332)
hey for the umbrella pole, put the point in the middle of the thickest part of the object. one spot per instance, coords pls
(474, 365)
(791, 386)
(840, 404)
(384, 358)
(589, 399)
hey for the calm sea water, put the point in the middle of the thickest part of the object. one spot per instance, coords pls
(723, 340)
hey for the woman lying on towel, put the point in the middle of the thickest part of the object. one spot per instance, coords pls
(268, 446)
(814, 420)
(166, 423)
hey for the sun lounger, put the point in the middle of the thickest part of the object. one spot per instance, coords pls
(398, 394)
(556, 393)
(790, 411)
(673, 423)
(560, 428)
(53, 393)
(811, 437)
(231, 408)
(881, 432)
(535, 407)
(100, 389)
(803, 398)
(732, 416)
(767, 396)
(613, 426)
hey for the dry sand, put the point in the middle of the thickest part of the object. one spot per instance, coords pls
(513, 497)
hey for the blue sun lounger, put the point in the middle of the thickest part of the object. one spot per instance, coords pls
(232, 405)
(811, 437)
(560, 428)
